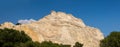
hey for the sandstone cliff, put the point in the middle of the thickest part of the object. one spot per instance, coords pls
(59, 27)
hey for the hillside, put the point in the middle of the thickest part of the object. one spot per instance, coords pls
(60, 27)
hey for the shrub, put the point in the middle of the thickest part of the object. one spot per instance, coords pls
(14, 38)
(112, 40)
(77, 44)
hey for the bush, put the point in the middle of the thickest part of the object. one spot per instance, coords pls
(10, 37)
(18, 23)
(77, 44)
(50, 44)
(14, 38)
(113, 40)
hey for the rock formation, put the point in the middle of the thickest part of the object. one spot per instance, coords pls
(59, 27)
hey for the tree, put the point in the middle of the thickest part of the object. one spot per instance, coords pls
(50, 44)
(15, 38)
(112, 40)
(77, 44)
(10, 37)
(18, 23)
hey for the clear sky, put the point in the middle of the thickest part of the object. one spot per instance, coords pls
(102, 14)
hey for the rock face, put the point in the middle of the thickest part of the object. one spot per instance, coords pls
(59, 27)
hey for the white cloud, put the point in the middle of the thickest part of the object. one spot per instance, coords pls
(26, 21)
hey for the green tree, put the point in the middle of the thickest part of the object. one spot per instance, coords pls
(112, 40)
(77, 44)
(50, 44)
(15, 38)
(10, 37)
(18, 23)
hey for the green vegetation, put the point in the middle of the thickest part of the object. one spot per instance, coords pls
(14, 38)
(113, 40)
(77, 44)
(50, 44)
(11, 38)
(18, 23)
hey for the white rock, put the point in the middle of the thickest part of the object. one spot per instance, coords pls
(62, 28)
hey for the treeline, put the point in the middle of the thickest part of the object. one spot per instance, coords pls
(112, 40)
(15, 38)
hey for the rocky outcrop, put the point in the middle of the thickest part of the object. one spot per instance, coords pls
(59, 27)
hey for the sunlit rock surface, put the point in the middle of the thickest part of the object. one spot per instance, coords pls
(60, 27)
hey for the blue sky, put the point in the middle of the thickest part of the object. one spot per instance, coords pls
(102, 14)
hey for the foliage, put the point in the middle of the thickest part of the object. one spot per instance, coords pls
(50, 44)
(77, 44)
(14, 38)
(113, 40)
(18, 23)
(10, 37)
